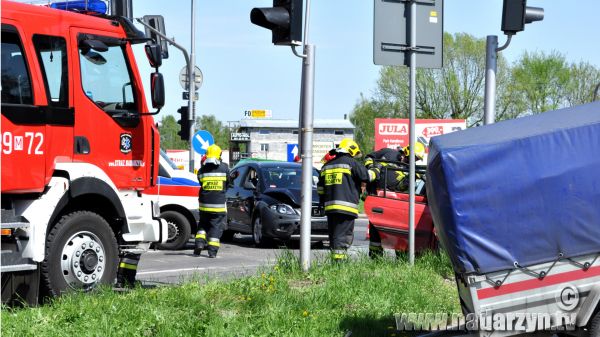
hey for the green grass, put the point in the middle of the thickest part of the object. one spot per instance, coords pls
(361, 296)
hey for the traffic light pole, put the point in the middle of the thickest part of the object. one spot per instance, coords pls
(306, 124)
(190, 65)
(192, 87)
(491, 58)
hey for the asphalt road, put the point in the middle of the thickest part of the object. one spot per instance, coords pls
(236, 258)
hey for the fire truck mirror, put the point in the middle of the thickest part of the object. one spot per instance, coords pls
(158, 90)
(154, 54)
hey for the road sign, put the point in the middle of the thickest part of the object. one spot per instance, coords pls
(240, 136)
(292, 152)
(391, 42)
(201, 141)
(186, 95)
(184, 78)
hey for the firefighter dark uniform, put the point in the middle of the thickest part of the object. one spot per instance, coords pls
(128, 263)
(390, 178)
(213, 177)
(339, 190)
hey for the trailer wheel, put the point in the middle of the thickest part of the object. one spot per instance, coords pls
(81, 252)
(179, 230)
(595, 325)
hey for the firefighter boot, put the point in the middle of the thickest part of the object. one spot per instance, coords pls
(213, 247)
(339, 256)
(375, 250)
(127, 270)
(200, 242)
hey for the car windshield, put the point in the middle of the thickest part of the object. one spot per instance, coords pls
(286, 177)
(163, 154)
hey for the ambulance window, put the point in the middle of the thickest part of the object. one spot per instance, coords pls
(52, 55)
(16, 84)
(106, 78)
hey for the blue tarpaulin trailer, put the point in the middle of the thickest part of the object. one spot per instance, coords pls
(519, 192)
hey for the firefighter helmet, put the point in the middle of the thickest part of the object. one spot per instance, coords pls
(349, 146)
(419, 151)
(213, 154)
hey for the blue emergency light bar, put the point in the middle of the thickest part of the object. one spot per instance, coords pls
(86, 6)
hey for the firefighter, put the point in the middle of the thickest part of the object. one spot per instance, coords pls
(390, 178)
(405, 158)
(127, 270)
(213, 177)
(339, 190)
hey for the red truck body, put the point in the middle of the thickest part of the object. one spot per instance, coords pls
(78, 147)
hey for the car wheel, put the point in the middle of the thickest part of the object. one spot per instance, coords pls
(257, 233)
(595, 326)
(179, 230)
(81, 251)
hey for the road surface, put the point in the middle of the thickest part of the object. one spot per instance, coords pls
(235, 258)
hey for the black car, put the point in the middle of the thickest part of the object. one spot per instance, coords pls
(264, 200)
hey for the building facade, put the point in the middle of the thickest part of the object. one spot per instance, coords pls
(277, 139)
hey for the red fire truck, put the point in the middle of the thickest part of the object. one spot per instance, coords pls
(78, 148)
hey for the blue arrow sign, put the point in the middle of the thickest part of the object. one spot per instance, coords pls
(201, 141)
(292, 152)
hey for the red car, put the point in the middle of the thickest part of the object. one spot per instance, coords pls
(388, 214)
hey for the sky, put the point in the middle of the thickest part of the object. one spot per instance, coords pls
(243, 70)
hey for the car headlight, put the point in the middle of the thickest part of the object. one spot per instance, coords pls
(283, 209)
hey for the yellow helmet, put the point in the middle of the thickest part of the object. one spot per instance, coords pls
(213, 151)
(349, 146)
(419, 151)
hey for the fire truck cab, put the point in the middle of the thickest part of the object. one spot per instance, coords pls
(78, 149)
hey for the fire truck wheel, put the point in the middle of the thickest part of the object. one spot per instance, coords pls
(595, 325)
(81, 252)
(179, 230)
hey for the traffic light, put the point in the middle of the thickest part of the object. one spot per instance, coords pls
(516, 13)
(284, 19)
(184, 133)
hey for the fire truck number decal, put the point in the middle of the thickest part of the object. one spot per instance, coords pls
(32, 142)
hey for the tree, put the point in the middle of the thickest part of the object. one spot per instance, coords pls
(169, 139)
(216, 128)
(541, 79)
(583, 79)
(455, 91)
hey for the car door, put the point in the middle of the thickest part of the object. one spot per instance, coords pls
(247, 196)
(232, 196)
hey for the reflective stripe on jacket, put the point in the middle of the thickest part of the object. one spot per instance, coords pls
(213, 184)
(340, 184)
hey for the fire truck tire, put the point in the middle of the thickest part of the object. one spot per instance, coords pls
(179, 230)
(595, 326)
(81, 252)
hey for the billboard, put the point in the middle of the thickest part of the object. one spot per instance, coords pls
(393, 132)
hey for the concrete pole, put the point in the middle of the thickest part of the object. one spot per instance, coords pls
(491, 58)
(192, 85)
